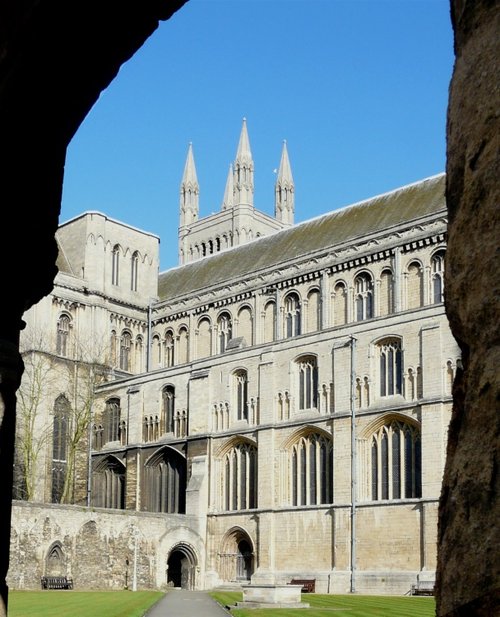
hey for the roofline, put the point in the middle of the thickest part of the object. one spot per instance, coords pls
(111, 220)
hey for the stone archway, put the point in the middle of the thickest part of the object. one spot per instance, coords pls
(237, 557)
(181, 567)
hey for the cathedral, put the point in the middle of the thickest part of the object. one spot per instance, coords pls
(275, 407)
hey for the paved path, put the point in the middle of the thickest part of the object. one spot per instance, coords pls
(183, 603)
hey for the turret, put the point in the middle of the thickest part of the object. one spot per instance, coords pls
(284, 200)
(190, 191)
(243, 170)
(228, 201)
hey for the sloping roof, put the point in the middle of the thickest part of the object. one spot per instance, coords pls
(62, 262)
(338, 227)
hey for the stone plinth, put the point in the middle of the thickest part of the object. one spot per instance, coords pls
(272, 596)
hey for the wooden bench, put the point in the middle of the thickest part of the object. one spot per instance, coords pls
(423, 588)
(56, 582)
(308, 584)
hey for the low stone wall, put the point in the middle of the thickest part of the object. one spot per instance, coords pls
(99, 549)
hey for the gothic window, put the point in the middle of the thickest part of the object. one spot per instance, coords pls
(311, 470)
(63, 327)
(396, 462)
(245, 326)
(239, 477)
(156, 351)
(292, 321)
(386, 293)
(224, 327)
(60, 428)
(139, 354)
(115, 265)
(165, 480)
(112, 420)
(307, 382)
(169, 348)
(391, 367)
(108, 480)
(134, 271)
(55, 565)
(437, 275)
(241, 394)
(112, 344)
(363, 296)
(125, 345)
(168, 409)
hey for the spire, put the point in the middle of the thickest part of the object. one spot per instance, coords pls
(190, 190)
(284, 202)
(228, 200)
(243, 170)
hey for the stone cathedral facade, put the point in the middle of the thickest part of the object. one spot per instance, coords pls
(274, 407)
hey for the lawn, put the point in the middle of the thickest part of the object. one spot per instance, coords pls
(338, 606)
(81, 603)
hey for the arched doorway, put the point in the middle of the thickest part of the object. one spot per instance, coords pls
(181, 567)
(236, 559)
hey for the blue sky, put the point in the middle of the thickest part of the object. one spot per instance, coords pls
(359, 90)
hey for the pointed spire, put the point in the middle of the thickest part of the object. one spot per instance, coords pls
(228, 200)
(284, 202)
(190, 190)
(243, 170)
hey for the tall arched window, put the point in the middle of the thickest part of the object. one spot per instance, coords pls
(396, 470)
(169, 348)
(112, 420)
(292, 317)
(63, 328)
(241, 394)
(168, 409)
(311, 470)
(225, 328)
(415, 286)
(391, 367)
(108, 482)
(363, 296)
(386, 299)
(313, 311)
(125, 345)
(239, 477)
(62, 409)
(165, 479)
(269, 322)
(308, 382)
(339, 304)
(437, 274)
(115, 265)
(134, 271)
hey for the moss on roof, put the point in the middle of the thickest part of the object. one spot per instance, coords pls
(374, 215)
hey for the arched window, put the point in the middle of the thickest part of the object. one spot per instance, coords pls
(239, 477)
(134, 271)
(125, 345)
(241, 394)
(313, 311)
(112, 345)
(311, 470)
(308, 382)
(269, 322)
(112, 420)
(292, 321)
(165, 480)
(391, 367)
(63, 327)
(437, 275)
(396, 462)
(62, 410)
(156, 351)
(363, 296)
(245, 325)
(225, 328)
(168, 409)
(204, 338)
(169, 348)
(339, 304)
(108, 482)
(115, 265)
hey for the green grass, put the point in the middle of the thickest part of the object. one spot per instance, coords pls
(81, 603)
(338, 606)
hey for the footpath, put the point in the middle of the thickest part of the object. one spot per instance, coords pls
(183, 603)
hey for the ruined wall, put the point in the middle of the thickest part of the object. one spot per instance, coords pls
(468, 575)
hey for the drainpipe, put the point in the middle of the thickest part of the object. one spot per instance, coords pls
(148, 346)
(353, 468)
